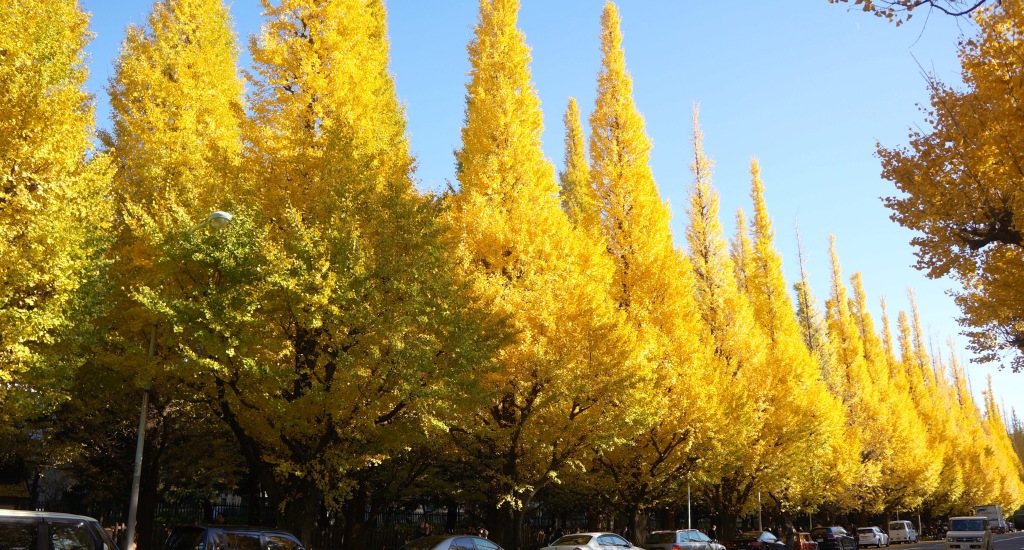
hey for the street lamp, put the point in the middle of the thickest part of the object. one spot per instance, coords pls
(216, 220)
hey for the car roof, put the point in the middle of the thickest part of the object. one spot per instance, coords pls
(39, 515)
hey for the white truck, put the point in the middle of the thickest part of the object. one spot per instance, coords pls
(995, 516)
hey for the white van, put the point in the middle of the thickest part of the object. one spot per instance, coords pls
(902, 530)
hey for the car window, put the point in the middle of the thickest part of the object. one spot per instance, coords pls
(484, 544)
(424, 543)
(664, 536)
(701, 536)
(569, 540)
(278, 541)
(462, 543)
(70, 536)
(612, 540)
(243, 541)
(767, 537)
(18, 534)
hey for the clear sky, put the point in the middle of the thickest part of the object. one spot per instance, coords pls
(807, 87)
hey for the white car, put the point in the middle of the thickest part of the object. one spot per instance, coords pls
(872, 536)
(590, 541)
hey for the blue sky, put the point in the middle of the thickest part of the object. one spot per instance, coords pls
(807, 87)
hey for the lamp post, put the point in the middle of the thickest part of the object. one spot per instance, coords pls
(760, 525)
(217, 220)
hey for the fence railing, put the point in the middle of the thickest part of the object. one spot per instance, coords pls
(384, 531)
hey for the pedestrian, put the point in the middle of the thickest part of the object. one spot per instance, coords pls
(713, 532)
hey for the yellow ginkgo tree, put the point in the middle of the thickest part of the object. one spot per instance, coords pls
(958, 185)
(53, 209)
(653, 286)
(571, 380)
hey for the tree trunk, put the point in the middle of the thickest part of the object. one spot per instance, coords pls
(499, 525)
(302, 509)
(148, 496)
(355, 523)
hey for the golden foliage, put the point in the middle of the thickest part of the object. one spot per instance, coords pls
(959, 185)
(53, 212)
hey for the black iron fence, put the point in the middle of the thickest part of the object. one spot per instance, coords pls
(383, 531)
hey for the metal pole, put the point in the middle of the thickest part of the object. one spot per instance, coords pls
(760, 527)
(133, 504)
(688, 505)
(216, 219)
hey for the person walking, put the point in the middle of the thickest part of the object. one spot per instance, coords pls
(713, 533)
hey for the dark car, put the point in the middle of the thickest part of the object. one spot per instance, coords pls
(236, 537)
(21, 529)
(682, 539)
(755, 540)
(833, 538)
(451, 542)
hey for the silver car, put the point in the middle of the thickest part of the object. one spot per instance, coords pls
(682, 539)
(872, 536)
(451, 542)
(590, 541)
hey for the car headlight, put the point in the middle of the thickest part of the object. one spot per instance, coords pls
(979, 539)
(949, 539)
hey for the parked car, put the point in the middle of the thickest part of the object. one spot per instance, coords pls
(211, 537)
(451, 542)
(591, 541)
(755, 540)
(682, 539)
(806, 542)
(833, 538)
(22, 529)
(872, 536)
(902, 530)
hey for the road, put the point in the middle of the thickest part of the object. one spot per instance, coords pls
(1009, 541)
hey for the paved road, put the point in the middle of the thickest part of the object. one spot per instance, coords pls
(1009, 541)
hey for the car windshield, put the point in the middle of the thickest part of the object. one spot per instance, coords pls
(665, 536)
(897, 526)
(865, 530)
(967, 525)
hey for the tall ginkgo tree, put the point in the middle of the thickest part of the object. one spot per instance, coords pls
(578, 198)
(569, 381)
(176, 100)
(340, 332)
(731, 475)
(805, 427)
(653, 287)
(910, 468)
(54, 210)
